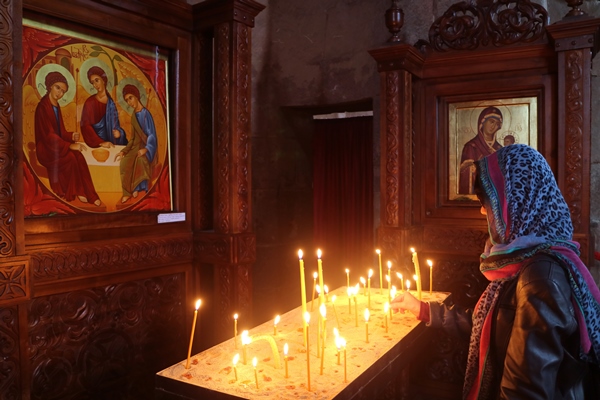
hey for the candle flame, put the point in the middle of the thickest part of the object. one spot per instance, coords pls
(412, 250)
(347, 270)
(323, 310)
(235, 316)
(319, 253)
(386, 307)
(198, 304)
(307, 317)
(393, 292)
(326, 289)
(277, 318)
(300, 254)
(366, 314)
(318, 288)
(336, 333)
(236, 358)
(387, 278)
(356, 289)
(362, 280)
(430, 263)
(245, 338)
(285, 349)
(315, 275)
(389, 265)
(349, 290)
(399, 275)
(254, 362)
(370, 273)
(333, 298)
(407, 284)
(338, 342)
(342, 342)
(415, 278)
(378, 251)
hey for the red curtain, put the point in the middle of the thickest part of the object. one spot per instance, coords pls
(343, 196)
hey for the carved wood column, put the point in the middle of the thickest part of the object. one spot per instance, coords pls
(397, 65)
(576, 42)
(226, 250)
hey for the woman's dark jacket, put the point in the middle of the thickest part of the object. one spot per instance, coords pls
(535, 337)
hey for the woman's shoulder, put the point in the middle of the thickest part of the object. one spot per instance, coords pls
(543, 267)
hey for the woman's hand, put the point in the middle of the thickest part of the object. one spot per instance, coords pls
(406, 301)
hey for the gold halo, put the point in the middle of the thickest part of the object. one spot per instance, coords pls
(95, 62)
(40, 82)
(130, 81)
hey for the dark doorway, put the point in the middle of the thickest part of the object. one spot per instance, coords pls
(343, 196)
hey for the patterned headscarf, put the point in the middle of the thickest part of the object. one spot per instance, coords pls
(526, 214)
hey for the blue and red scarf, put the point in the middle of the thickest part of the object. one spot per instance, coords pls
(526, 214)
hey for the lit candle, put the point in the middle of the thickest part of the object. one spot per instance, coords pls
(392, 295)
(389, 274)
(198, 303)
(364, 283)
(236, 358)
(307, 321)
(337, 321)
(349, 291)
(323, 311)
(245, 342)
(415, 260)
(319, 328)
(430, 263)
(387, 278)
(407, 285)
(367, 323)
(254, 362)
(355, 305)
(399, 275)
(320, 269)
(285, 357)
(277, 319)
(337, 344)
(326, 290)
(343, 344)
(312, 302)
(369, 286)
(235, 318)
(347, 277)
(302, 289)
(386, 309)
(380, 270)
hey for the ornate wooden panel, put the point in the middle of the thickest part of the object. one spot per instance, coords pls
(10, 357)
(106, 342)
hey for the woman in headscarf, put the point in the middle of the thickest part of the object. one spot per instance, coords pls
(483, 144)
(59, 150)
(100, 125)
(536, 327)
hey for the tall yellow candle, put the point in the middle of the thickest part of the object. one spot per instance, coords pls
(337, 321)
(430, 263)
(389, 274)
(320, 270)
(187, 364)
(369, 286)
(386, 309)
(307, 321)
(415, 260)
(367, 323)
(364, 283)
(326, 291)
(387, 278)
(236, 358)
(245, 341)
(312, 302)
(343, 343)
(254, 362)
(302, 289)
(380, 270)
(285, 357)
(356, 305)
(349, 291)
(323, 311)
(337, 344)
(347, 278)
(399, 275)
(235, 318)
